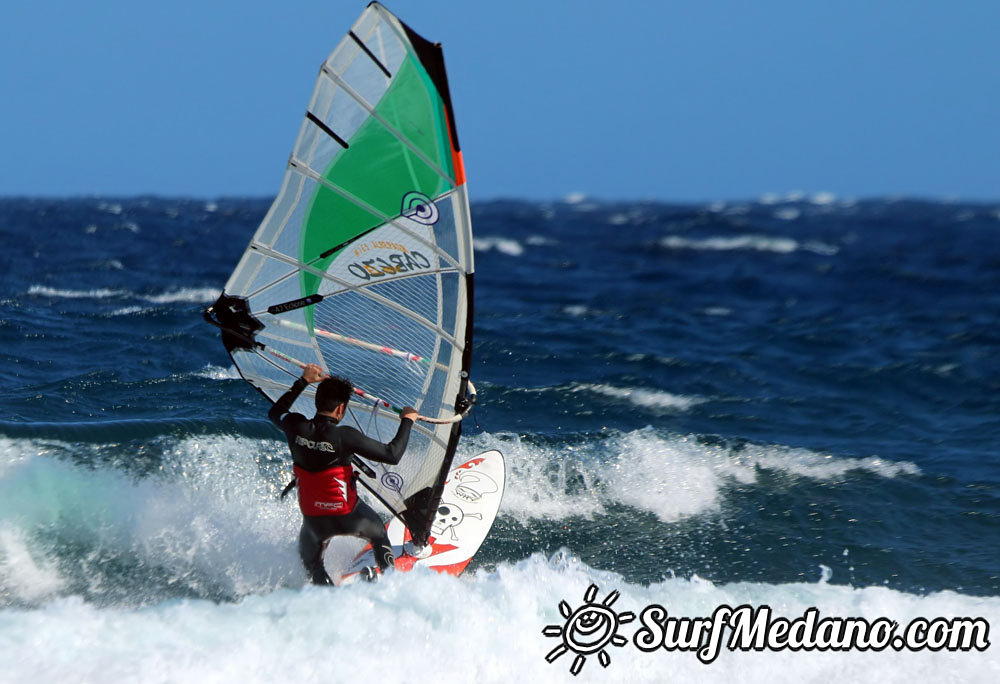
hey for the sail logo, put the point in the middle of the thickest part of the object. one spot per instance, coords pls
(393, 481)
(391, 264)
(420, 208)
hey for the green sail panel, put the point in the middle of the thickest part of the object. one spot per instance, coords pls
(363, 264)
(379, 168)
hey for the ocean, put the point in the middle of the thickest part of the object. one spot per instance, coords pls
(791, 401)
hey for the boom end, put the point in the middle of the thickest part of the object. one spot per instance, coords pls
(232, 316)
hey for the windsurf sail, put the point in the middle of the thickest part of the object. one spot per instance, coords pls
(363, 265)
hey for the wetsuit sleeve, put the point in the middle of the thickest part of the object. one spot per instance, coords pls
(284, 403)
(356, 442)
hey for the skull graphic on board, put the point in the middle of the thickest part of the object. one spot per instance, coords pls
(450, 516)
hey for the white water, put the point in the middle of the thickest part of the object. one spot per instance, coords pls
(481, 628)
(211, 372)
(759, 243)
(657, 400)
(209, 516)
(100, 293)
(501, 244)
(197, 295)
(205, 519)
(673, 477)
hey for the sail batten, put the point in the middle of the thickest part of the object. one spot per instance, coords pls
(363, 264)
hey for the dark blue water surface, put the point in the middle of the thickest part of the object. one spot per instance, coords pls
(744, 391)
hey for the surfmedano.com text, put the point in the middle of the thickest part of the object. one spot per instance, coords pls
(756, 629)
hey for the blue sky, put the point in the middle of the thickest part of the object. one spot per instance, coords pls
(695, 100)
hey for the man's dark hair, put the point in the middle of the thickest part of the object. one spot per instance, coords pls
(333, 392)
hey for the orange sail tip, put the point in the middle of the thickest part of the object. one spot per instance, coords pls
(456, 158)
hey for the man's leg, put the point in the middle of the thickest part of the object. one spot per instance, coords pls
(363, 522)
(367, 524)
(312, 544)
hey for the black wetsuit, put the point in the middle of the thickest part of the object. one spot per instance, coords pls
(322, 450)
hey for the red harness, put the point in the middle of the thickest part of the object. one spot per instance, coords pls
(328, 492)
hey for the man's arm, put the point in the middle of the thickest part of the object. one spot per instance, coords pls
(373, 450)
(281, 406)
(311, 373)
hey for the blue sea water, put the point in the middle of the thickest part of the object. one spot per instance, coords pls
(791, 400)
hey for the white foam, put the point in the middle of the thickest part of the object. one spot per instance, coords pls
(482, 628)
(759, 243)
(818, 247)
(826, 573)
(540, 241)
(26, 572)
(796, 196)
(206, 512)
(823, 198)
(129, 310)
(576, 310)
(59, 293)
(198, 295)
(673, 477)
(218, 373)
(820, 466)
(502, 245)
(543, 482)
(209, 513)
(188, 294)
(646, 398)
(678, 476)
(208, 506)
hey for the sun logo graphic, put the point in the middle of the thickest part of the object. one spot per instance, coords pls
(588, 630)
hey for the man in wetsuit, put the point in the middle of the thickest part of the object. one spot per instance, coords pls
(322, 452)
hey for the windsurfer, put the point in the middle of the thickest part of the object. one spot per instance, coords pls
(322, 451)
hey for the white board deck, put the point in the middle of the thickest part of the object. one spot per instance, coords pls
(469, 505)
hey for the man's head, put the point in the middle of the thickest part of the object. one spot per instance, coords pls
(333, 393)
